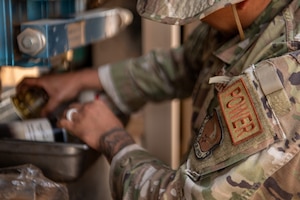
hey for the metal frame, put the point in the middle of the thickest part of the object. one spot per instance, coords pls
(15, 12)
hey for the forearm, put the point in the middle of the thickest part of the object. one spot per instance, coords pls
(88, 79)
(113, 141)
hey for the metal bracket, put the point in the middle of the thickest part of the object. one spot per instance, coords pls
(49, 37)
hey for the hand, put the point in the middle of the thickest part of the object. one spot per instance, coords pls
(96, 125)
(62, 87)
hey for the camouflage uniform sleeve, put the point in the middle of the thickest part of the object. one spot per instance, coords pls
(157, 76)
(263, 166)
(135, 174)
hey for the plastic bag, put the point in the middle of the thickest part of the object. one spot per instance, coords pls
(27, 182)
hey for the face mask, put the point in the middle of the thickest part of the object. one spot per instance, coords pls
(179, 11)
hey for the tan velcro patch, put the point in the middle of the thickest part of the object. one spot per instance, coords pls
(239, 112)
(238, 128)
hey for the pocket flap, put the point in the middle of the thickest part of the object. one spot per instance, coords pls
(240, 126)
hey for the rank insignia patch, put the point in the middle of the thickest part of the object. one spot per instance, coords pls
(239, 112)
(209, 136)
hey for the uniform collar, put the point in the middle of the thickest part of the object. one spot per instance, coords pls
(234, 49)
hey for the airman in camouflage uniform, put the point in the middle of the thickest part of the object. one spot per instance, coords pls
(246, 138)
(246, 104)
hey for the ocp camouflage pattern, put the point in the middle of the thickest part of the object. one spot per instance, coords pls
(270, 172)
(179, 11)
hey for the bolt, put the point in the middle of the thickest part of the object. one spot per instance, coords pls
(28, 42)
(31, 41)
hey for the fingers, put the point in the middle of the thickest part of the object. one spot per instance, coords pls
(70, 112)
(89, 121)
(28, 82)
(70, 116)
(50, 106)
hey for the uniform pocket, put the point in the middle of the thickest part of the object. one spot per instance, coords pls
(241, 125)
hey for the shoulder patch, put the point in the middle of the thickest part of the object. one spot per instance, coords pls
(209, 136)
(238, 128)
